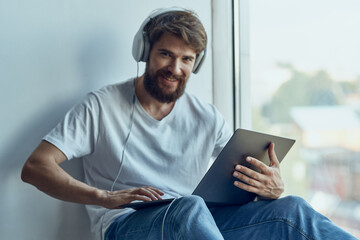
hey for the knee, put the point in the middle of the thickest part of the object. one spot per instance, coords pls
(190, 206)
(293, 202)
(192, 201)
(189, 216)
(293, 206)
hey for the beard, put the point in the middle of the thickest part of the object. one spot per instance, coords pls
(156, 90)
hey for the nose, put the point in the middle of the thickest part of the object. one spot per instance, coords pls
(175, 67)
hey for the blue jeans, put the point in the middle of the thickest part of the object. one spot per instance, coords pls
(189, 218)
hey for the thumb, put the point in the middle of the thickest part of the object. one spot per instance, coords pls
(272, 155)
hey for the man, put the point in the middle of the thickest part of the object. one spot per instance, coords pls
(146, 139)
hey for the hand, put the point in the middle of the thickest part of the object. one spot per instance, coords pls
(267, 183)
(114, 199)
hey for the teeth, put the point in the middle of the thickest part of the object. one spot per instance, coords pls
(171, 80)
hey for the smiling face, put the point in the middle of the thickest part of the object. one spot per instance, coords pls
(170, 64)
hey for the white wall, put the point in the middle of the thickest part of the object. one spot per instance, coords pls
(51, 54)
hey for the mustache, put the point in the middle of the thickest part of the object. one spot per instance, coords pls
(168, 74)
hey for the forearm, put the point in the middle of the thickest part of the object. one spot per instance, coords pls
(54, 181)
(43, 171)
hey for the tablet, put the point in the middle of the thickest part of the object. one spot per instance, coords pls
(144, 204)
(217, 186)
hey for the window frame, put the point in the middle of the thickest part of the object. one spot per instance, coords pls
(231, 61)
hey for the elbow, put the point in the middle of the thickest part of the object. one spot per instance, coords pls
(26, 173)
(41, 165)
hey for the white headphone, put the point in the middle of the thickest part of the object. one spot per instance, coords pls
(141, 43)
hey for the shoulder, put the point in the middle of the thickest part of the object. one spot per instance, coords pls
(120, 93)
(122, 89)
(105, 98)
(199, 106)
(206, 117)
(204, 113)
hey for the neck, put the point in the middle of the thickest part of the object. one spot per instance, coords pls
(153, 107)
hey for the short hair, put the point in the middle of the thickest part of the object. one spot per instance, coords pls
(183, 24)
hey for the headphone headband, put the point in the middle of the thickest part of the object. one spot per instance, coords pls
(141, 43)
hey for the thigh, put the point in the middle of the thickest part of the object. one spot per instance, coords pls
(185, 218)
(141, 224)
(285, 218)
(256, 220)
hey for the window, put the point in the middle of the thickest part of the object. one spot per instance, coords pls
(305, 84)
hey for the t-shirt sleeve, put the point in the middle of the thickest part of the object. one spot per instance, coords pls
(76, 134)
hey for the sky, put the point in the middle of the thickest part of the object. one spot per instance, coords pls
(311, 35)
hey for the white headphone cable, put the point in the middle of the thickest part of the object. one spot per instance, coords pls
(125, 144)
(163, 222)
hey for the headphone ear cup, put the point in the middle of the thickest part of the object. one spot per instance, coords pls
(146, 51)
(141, 47)
(138, 46)
(199, 61)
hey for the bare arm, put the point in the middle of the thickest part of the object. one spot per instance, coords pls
(43, 171)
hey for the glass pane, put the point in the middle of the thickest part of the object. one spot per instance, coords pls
(305, 74)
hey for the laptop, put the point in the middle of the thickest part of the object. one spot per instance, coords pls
(216, 187)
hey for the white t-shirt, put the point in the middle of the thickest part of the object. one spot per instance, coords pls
(171, 154)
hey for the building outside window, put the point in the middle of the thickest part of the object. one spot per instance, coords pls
(305, 84)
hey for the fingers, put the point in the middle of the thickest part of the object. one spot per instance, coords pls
(250, 183)
(264, 169)
(117, 198)
(246, 187)
(136, 197)
(157, 190)
(149, 193)
(267, 182)
(256, 163)
(251, 176)
(251, 179)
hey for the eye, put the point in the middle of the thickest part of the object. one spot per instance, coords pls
(188, 59)
(165, 54)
